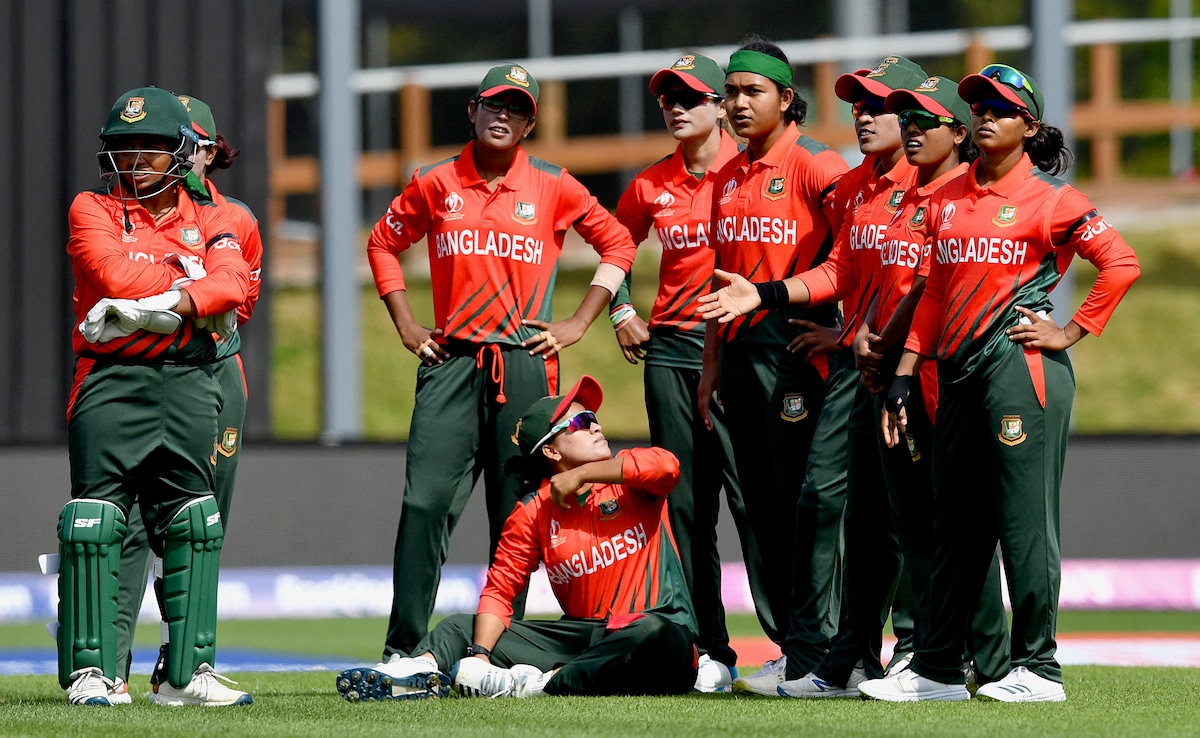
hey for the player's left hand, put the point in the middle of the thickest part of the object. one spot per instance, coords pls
(634, 339)
(554, 337)
(1038, 331)
(739, 297)
(817, 340)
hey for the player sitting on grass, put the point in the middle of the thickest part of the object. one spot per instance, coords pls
(598, 522)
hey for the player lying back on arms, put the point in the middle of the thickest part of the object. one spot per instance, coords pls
(598, 522)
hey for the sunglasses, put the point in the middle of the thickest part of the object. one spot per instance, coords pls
(1000, 109)
(582, 420)
(924, 120)
(515, 110)
(1014, 78)
(688, 99)
(871, 106)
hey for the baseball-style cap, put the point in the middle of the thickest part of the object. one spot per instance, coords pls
(1002, 82)
(891, 73)
(509, 77)
(937, 95)
(202, 119)
(533, 429)
(696, 72)
(149, 111)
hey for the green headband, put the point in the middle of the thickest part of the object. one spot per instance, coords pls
(776, 70)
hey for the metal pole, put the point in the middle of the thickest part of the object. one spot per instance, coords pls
(341, 252)
(1182, 137)
(858, 18)
(1054, 69)
(541, 29)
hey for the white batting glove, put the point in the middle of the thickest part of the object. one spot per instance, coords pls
(224, 325)
(191, 266)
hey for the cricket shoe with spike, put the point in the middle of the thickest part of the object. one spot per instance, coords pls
(89, 687)
(395, 679)
(204, 689)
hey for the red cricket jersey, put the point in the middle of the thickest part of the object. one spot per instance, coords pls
(1006, 245)
(868, 201)
(245, 224)
(493, 256)
(669, 199)
(773, 218)
(611, 554)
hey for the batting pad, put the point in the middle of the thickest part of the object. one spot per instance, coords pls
(191, 557)
(89, 555)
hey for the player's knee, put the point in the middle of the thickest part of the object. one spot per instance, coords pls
(197, 521)
(96, 522)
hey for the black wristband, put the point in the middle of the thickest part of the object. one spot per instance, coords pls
(898, 393)
(477, 650)
(773, 295)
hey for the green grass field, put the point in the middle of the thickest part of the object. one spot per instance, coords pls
(1138, 377)
(1102, 701)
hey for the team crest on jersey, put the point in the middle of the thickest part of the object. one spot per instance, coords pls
(190, 236)
(776, 189)
(1006, 217)
(135, 110)
(894, 201)
(793, 408)
(524, 212)
(947, 215)
(917, 221)
(609, 509)
(229, 442)
(1011, 430)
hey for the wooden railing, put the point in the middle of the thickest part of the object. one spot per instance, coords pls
(1103, 118)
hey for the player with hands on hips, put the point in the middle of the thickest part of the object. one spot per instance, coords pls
(1001, 237)
(494, 220)
(598, 523)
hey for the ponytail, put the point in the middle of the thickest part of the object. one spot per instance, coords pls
(225, 154)
(1048, 150)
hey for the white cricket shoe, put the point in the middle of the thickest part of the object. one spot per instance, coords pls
(1022, 685)
(899, 665)
(812, 686)
(474, 677)
(398, 678)
(204, 689)
(89, 687)
(713, 676)
(909, 686)
(118, 693)
(765, 681)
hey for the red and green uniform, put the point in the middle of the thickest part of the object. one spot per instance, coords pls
(493, 259)
(1004, 411)
(142, 414)
(628, 625)
(228, 370)
(907, 467)
(677, 206)
(773, 217)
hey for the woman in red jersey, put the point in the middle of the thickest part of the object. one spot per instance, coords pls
(598, 523)
(494, 220)
(674, 199)
(1000, 238)
(773, 215)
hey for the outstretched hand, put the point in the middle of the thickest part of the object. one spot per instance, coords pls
(739, 297)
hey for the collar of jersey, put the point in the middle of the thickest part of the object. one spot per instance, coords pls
(681, 176)
(1010, 184)
(779, 151)
(184, 209)
(468, 174)
(943, 180)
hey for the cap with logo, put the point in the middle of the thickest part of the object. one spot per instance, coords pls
(202, 119)
(149, 111)
(541, 416)
(937, 95)
(891, 73)
(509, 77)
(1002, 82)
(696, 72)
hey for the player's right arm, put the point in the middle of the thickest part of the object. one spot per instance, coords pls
(99, 256)
(517, 556)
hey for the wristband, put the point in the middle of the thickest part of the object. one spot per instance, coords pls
(477, 650)
(898, 394)
(621, 314)
(773, 295)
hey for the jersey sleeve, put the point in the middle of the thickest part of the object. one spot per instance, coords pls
(405, 222)
(833, 277)
(228, 280)
(252, 253)
(926, 328)
(653, 471)
(1077, 224)
(822, 177)
(95, 249)
(517, 556)
(635, 216)
(599, 228)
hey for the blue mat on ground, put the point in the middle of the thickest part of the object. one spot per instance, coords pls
(44, 661)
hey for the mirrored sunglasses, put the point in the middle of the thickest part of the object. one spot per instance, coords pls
(871, 106)
(688, 99)
(924, 120)
(582, 420)
(1000, 109)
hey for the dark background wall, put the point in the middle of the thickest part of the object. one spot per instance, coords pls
(299, 505)
(62, 64)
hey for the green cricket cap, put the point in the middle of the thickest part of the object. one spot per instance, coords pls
(202, 118)
(891, 73)
(1002, 82)
(695, 71)
(509, 77)
(937, 95)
